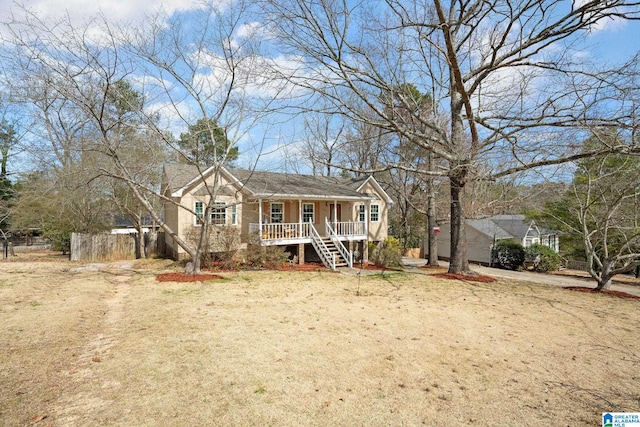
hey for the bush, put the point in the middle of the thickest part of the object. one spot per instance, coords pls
(507, 254)
(221, 246)
(387, 254)
(271, 257)
(543, 258)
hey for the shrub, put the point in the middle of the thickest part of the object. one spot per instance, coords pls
(387, 254)
(507, 254)
(221, 246)
(270, 257)
(543, 258)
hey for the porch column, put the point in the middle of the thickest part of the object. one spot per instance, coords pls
(335, 216)
(367, 217)
(260, 219)
(299, 219)
(365, 244)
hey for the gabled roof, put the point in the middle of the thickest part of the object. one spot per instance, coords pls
(275, 185)
(179, 176)
(488, 227)
(504, 226)
(515, 225)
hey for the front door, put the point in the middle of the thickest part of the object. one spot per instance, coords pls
(335, 215)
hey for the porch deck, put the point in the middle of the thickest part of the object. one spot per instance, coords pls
(301, 232)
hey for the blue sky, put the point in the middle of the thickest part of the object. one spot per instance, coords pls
(612, 41)
(615, 42)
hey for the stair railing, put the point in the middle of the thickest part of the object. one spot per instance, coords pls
(346, 255)
(325, 254)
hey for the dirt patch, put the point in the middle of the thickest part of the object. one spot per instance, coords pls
(309, 266)
(611, 292)
(184, 277)
(465, 277)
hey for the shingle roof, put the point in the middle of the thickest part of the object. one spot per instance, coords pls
(488, 227)
(516, 225)
(274, 184)
(179, 175)
(269, 184)
(502, 226)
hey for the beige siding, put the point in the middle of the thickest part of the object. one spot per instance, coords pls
(377, 230)
(185, 220)
(171, 218)
(249, 216)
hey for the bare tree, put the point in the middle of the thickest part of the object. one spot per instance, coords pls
(502, 73)
(601, 208)
(203, 69)
(324, 144)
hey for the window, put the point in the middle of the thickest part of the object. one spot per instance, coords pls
(219, 213)
(362, 213)
(277, 213)
(307, 212)
(234, 214)
(199, 210)
(375, 213)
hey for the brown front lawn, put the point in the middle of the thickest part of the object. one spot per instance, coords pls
(111, 345)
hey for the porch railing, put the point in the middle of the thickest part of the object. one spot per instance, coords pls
(296, 230)
(293, 230)
(347, 228)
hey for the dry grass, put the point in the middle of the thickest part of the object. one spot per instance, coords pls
(117, 348)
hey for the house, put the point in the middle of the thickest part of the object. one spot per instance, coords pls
(122, 224)
(312, 216)
(483, 233)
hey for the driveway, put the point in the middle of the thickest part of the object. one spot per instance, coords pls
(564, 279)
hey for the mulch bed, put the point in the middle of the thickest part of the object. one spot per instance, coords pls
(184, 277)
(618, 294)
(465, 277)
(433, 267)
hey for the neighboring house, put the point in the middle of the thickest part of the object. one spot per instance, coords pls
(328, 216)
(122, 224)
(483, 233)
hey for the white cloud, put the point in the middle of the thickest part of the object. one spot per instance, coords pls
(114, 10)
(249, 30)
(602, 24)
(172, 116)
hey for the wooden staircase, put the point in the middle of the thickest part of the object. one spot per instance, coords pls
(331, 252)
(335, 253)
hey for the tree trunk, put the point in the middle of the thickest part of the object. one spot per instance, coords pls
(432, 237)
(604, 276)
(140, 240)
(458, 262)
(163, 225)
(604, 282)
(203, 245)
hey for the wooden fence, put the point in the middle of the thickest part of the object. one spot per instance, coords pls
(102, 247)
(574, 264)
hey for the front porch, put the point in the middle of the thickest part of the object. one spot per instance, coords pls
(329, 246)
(293, 233)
